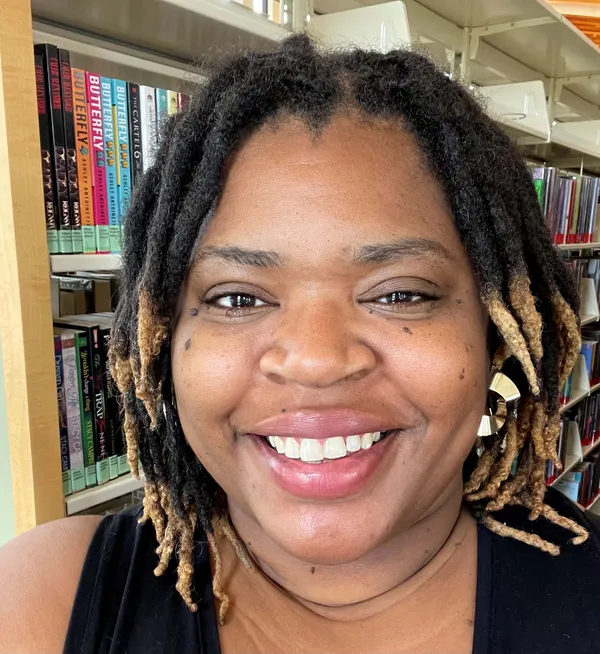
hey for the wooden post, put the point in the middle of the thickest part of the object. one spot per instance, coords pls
(25, 308)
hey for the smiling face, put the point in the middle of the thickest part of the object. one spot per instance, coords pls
(331, 297)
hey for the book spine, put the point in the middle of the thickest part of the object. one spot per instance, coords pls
(71, 383)
(183, 100)
(62, 418)
(112, 408)
(85, 403)
(65, 242)
(148, 107)
(66, 88)
(50, 207)
(121, 120)
(135, 132)
(100, 442)
(84, 161)
(173, 102)
(110, 154)
(94, 98)
(162, 109)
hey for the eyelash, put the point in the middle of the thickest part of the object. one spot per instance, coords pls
(411, 298)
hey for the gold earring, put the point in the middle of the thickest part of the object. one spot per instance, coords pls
(503, 392)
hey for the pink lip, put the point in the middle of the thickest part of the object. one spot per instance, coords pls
(321, 424)
(329, 480)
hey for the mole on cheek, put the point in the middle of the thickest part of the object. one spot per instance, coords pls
(462, 374)
(188, 344)
(193, 312)
(406, 330)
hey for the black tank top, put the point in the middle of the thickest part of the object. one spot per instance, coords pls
(527, 601)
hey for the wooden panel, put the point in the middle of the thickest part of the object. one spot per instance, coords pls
(25, 316)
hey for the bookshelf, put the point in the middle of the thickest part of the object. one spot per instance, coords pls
(110, 37)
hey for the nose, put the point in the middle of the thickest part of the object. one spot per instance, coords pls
(316, 348)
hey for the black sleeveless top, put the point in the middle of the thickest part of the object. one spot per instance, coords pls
(527, 601)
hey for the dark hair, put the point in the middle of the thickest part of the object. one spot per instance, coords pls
(528, 291)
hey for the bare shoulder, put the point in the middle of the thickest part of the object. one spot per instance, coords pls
(39, 573)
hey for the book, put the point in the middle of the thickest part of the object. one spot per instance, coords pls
(183, 100)
(70, 149)
(172, 97)
(71, 395)
(101, 229)
(121, 121)
(62, 418)
(148, 114)
(110, 158)
(85, 403)
(50, 208)
(78, 323)
(162, 108)
(135, 132)
(59, 159)
(84, 161)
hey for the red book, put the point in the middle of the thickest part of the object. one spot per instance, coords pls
(96, 131)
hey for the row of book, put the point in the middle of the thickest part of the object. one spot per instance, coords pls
(590, 349)
(92, 443)
(582, 484)
(569, 203)
(97, 136)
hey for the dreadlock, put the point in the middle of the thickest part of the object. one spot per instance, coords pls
(529, 294)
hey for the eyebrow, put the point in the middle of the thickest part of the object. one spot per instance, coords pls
(240, 256)
(397, 250)
(366, 254)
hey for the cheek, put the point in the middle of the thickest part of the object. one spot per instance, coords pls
(210, 373)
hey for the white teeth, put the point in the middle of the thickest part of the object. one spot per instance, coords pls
(311, 450)
(353, 443)
(292, 449)
(334, 448)
(367, 441)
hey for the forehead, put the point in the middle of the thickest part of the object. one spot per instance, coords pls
(353, 181)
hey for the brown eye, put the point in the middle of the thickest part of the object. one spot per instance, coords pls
(237, 301)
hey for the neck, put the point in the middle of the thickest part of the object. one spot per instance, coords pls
(398, 566)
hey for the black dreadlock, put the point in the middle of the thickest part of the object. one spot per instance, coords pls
(528, 291)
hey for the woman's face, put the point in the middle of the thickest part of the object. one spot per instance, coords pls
(331, 298)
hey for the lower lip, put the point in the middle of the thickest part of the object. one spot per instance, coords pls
(329, 480)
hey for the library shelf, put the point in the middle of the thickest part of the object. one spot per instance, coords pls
(574, 247)
(588, 320)
(97, 495)
(578, 396)
(65, 263)
(571, 461)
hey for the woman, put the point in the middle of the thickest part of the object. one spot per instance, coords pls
(330, 258)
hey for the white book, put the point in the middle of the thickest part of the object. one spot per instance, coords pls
(71, 388)
(149, 130)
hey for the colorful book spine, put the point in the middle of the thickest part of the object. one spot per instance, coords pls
(148, 111)
(173, 102)
(71, 383)
(101, 227)
(100, 442)
(66, 88)
(62, 418)
(50, 207)
(162, 109)
(113, 418)
(85, 403)
(110, 153)
(84, 160)
(121, 121)
(52, 76)
(183, 100)
(135, 132)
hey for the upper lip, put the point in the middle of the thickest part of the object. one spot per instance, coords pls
(321, 424)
